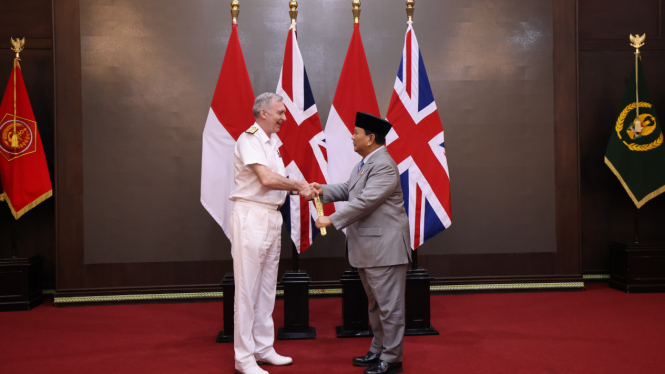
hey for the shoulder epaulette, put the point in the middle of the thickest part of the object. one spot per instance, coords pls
(252, 130)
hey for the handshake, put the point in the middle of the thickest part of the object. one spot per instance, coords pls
(308, 191)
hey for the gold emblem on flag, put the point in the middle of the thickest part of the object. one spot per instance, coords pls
(643, 126)
(17, 138)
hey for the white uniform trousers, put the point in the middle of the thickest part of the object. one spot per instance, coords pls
(256, 243)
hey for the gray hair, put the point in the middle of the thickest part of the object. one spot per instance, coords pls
(263, 102)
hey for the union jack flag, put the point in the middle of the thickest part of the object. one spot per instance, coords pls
(417, 145)
(303, 146)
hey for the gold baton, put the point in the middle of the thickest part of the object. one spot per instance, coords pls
(319, 212)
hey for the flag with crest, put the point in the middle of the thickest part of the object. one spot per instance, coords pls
(635, 152)
(23, 171)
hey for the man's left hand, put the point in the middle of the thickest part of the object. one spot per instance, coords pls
(323, 221)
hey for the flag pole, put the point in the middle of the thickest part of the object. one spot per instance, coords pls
(14, 240)
(296, 282)
(355, 316)
(637, 42)
(228, 282)
(293, 13)
(17, 46)
(356, 20)
(409, 15)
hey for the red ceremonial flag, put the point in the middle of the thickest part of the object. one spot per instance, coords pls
(355, 93)
(229, 116)
(23, 170)
(303, 145)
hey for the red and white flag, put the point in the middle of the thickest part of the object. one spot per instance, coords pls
(355, 93)
(303, 146)
(23, 170)
(229, 116)
(417, 145)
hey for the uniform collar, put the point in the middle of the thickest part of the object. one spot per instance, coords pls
(261, 134)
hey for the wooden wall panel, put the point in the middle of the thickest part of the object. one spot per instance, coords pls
(615, 19)
(74, 275)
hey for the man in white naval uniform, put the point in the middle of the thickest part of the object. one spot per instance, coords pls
(256, 227)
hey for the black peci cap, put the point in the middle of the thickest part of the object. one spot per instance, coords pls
(377, 125)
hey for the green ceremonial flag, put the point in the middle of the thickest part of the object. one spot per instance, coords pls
(636, 153)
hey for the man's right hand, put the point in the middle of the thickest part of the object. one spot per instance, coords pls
(306, 191)
(316, 187)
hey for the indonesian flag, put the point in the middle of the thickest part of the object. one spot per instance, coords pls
(23, 170)
(303, 147)
(355, 93)
(229, 116)
(416, 144)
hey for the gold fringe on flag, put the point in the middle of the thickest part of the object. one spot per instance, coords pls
(646, 198)
(17, 215)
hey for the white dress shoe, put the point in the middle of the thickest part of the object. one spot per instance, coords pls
(253, 370)
(275, 360)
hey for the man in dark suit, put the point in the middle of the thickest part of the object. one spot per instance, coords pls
(377, 230)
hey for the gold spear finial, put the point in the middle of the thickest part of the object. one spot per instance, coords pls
(409, 9)
(356, 11)
(637, 41)
(293, 5)
(235, 4)
(17, 45)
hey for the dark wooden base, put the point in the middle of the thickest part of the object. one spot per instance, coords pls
(229, 291)
(418, 303)
(421, 331)
(637, 267)
(355, 316)
(20, 283)
(310, 333)
(223, 338)
(341, 333)
(296, 307)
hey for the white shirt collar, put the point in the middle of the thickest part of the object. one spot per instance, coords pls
(261, 134)
(370, 155)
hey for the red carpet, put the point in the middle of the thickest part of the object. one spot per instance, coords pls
(596, 331)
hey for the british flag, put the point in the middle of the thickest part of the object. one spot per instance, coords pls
(416, 143)
(303, 147)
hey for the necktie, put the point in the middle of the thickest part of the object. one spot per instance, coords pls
(361, 165)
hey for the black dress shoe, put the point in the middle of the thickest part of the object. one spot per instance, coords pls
(384, 367)
(369, 359)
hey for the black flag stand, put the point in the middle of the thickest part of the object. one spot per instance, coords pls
(23, 287)
(355, 316)
(636, 237)
(14, 241)
(296, 303)
(418, 301)
(228, 291)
